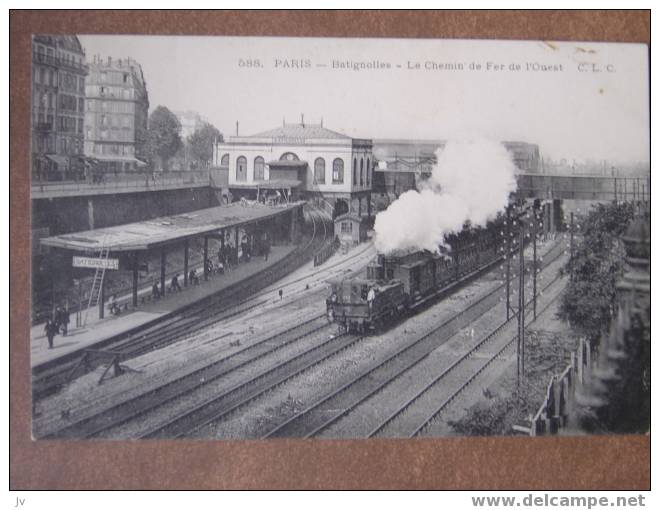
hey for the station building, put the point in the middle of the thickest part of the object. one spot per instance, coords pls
(306, 161)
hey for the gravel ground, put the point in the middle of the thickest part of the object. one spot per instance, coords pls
(317, 382)
(373, 412)
(304, 298)
(485, 384)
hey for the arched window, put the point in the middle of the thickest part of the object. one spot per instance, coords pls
(258, 168)
(241, 169)
(354, 171)
(319, 171)
(289, 156)
(368, 171)
(224, 161)
(338, 171)
(361, 172)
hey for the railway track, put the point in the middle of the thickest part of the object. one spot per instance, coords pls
(223, 405)
(49, 377)
(500, 352)
(326, 411)
(99, 422)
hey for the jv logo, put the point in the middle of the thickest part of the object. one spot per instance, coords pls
(19, 502)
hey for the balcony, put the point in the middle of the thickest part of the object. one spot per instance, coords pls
(58, 62)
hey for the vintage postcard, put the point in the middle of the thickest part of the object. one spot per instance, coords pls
(260, 238)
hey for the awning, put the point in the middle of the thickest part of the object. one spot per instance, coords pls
(273, 184)
(118, 159)
(287, 164)
(60, 160)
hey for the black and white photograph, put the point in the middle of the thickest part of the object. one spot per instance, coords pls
(338, 238)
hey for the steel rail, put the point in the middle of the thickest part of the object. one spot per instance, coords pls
(192, 318)
(280, 430)
(455, 394)
(401, 409)
(220, 406)
(135, 406)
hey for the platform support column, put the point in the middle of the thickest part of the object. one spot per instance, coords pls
(222, 246)
(136, 260)
(186, 248)
(369, 205)
(206, 258)
(294, 222)
(90, 213)
(102, 299)
(163, 261)
(236, 243)
(360, 207)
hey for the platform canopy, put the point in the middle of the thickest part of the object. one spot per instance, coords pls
(270, 184)
(148, 234)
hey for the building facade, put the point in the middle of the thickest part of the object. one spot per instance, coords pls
(404, 164)
(304, 160)
(59, 70)
(117, 114)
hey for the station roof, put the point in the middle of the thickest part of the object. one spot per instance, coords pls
(165, 230)
(302, 131)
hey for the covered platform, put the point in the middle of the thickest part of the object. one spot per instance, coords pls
(97, 330)
(239, 230)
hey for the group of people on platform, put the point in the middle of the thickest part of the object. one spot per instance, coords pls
(58, 324)
(227, 258)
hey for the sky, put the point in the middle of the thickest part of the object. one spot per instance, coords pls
(576, 100)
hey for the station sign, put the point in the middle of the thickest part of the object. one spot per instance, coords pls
(95, 263)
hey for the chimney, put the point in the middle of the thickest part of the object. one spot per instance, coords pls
(236, 128)
(302, 119)
(109, 60)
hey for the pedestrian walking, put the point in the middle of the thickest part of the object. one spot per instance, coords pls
(174, 285)
(266, 250)
(113, 307)
(65, 318)
(193, 278)
(155, 291)
(51, 330)
(57, 318)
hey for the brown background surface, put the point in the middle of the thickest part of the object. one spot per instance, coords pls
(458, 463)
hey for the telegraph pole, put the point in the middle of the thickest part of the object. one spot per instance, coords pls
(508, 261)
(572, 245)
(521, 306)
(534, 233)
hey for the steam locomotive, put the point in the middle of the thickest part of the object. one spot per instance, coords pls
(398, 285)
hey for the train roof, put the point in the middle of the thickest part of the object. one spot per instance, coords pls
(365, 281)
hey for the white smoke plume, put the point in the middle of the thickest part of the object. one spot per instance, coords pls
(471, 181)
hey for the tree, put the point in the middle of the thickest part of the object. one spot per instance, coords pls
(596, 266)
(201, 143)
(163, 137)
